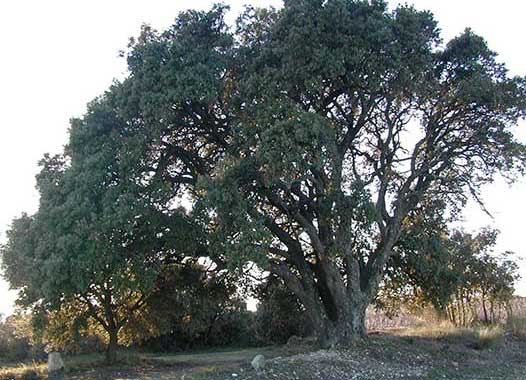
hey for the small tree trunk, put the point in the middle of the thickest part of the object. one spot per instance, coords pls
(453, 312)
(209, 329)
(492, 310)
(463, 305)
(111, 349)
(448, 314)
(484, 308)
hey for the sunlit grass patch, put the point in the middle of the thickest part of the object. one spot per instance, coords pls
(433, 330)
(31, 371)
(73, 364)
(479, 337)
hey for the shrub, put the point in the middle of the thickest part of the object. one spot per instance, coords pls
(228, 327)
(279, 315)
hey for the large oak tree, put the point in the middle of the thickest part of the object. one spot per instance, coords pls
(349, 117)
(309, 134)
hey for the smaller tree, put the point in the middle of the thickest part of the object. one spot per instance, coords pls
(100, 238)
(485, 280)
(418, 274)
(457, 273)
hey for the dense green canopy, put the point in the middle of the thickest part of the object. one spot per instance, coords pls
(101, 237)
(349, 117)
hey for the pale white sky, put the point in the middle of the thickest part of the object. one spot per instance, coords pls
(57, 55)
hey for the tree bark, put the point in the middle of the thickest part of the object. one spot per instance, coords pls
(484, 308)
(334, 286)
(348, 329)
(111, 348)
(336, 310)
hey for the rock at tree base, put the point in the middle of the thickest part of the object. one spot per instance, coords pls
(55, 366)
(258, 363)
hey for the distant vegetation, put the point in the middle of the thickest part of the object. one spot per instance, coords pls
(312, 157)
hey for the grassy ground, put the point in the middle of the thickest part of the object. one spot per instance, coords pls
(145, 366)
(429, 352)
(203, 364)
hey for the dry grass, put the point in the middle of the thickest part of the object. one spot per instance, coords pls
(31, 371)
(480, 337)
(488, 336)
(433, 330)
(517, 326)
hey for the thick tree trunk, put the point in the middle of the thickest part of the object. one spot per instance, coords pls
(336, 287)
(337, 319)
(111, 348)
(346, 330)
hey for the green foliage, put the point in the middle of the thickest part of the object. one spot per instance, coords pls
(97, 244)
(420, 271)
(69, 328)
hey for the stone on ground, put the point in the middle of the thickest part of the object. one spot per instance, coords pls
(55, 366)
(258, 363)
